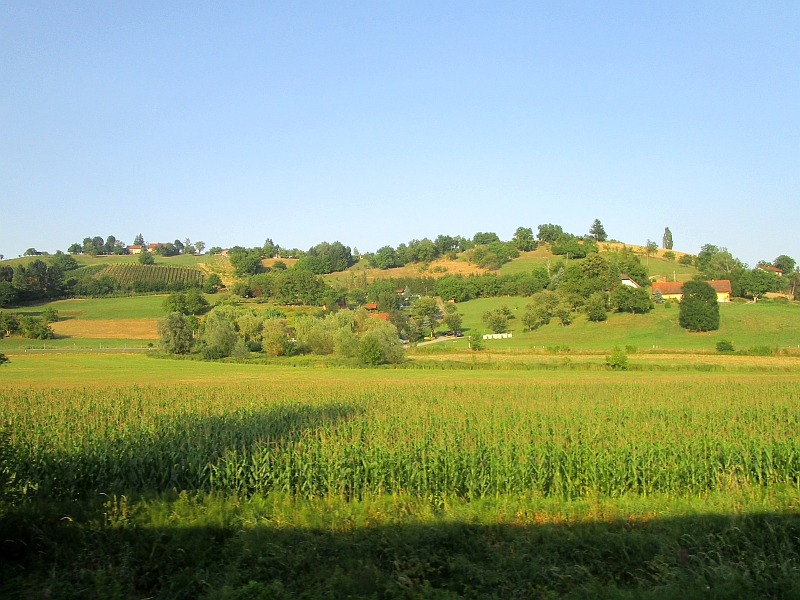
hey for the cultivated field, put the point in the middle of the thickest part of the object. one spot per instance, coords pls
(397, 482)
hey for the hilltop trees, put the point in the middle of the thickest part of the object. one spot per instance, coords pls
(597, 231)
(666, 239)
(699, 307)
(175, 334)
(784, 263)
(524, 240)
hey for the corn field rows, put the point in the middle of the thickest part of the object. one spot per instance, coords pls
(125, 273)
(432, 440)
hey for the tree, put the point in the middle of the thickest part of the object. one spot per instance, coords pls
(75, 249)
(633, 300)
(524, 240)
(380, 345)
(496, 320)
(9, 323)
(35, 328)
(218, 338)
(596, 307)
(425, 311)
(485, 238)
(699, 307)
(3, 359)
(212, 283)
(549, 232)
(784, 263)
(666, 239)
(188, 247)
(597, 231)
(385, 257)
(686, 260)
(707, 252)
(175, 334)
(139, 240)
(563, 313)
(195, 302)
(757, 282)
(650, 248)
(452, 321)
(8, 294)
(146, 258)
(794, 282)
(199, 246)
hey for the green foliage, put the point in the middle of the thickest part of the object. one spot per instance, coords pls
(725, 346)
(573, 247)
(618, 360)
(246, 261)
(8, 294)
(484, 238)
(658, 297)
(666, 240)
(218, 337)
(669, 255)
(597, 231)
(175, 334)
(757, 282)
(784, 263)
(686, 260)
(3, 359)
(380, 345)
(549, 232)
(476, 342)
(524, 240)
(35, 328)
(494, 255)
(541, 309)
(596, 307)
(49, 314)
(563, 313)
(212, 284)
(699, 307)
(453, 321)
(146, 258)
(633, 300)
(496, 320)
(9, 323)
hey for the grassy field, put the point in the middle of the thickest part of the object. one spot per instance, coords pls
(762, 324)
(364, 483)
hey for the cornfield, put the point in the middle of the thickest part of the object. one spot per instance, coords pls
(125, 273)
(563, 440)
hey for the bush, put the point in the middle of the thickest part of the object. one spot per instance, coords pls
(631, 349)
(669, 255)
(618, 360)
(35, 328)
(699, 307)
(3, 359)
(476, 341)
(686, 260)
(724, 346)
(379, 346)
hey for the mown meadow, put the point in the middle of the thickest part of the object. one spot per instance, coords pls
(381, 483)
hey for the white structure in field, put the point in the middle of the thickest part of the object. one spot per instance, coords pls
(497, 336)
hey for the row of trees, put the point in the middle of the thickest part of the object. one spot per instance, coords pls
(236, 331)
(94, 246)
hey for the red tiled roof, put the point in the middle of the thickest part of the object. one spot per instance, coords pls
(135, 247)
(384, 316)
(771, 268)
(668, 287)
(371, 306)
(676, 287)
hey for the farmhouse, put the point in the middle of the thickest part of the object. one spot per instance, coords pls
(673, 290)
(135, 249)
(771, 269)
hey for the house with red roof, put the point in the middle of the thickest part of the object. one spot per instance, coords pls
(771, 269)
(673, 290)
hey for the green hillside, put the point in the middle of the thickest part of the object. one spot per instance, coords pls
(762, 324)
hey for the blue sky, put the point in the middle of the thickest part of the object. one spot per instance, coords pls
(375, 123)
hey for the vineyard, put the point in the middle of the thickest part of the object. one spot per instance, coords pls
(126, 274)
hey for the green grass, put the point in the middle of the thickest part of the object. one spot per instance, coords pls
(133, 307)
(670, 269)
(184, 260)
(762, 324)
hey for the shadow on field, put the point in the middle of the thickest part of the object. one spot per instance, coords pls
(753, 556)
(176, 452)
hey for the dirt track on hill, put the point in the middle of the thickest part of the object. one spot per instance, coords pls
(127, 329)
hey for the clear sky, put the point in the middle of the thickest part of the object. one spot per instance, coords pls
(377, 122)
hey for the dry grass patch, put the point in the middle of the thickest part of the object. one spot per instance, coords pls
(137, 329)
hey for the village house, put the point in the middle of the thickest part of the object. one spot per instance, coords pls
(134, 249)
(673, 290)
(771, 269)
(628, 281)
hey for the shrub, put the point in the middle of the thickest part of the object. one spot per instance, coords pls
(631, 349)
(618, 360)
(3, 359)
(686, 260)
(699, 307)
(379, 346)
(476, 341)
(669, 255)
(35, 328)
(724, 346)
